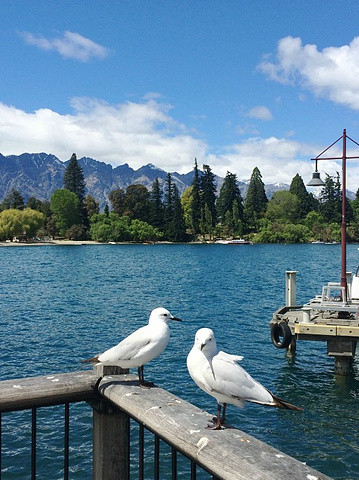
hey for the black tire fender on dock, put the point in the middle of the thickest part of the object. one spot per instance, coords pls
(281, 335)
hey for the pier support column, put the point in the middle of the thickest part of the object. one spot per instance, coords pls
(343, 351)
(342, 365)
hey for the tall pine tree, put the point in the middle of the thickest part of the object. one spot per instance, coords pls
(330, 205)
(230, 205)
(208, 188)
(256, 200)
(74, 181)
(74, 178)
(307, 202)
(196, 200)
(156, 206)
(175, 229)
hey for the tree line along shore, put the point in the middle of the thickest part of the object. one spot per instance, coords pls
(201, 213)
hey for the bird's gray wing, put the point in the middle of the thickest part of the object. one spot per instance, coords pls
(128, 348)
(232, 380)
(227, 357)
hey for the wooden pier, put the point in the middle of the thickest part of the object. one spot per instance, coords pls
(331, 317)
(228, 454)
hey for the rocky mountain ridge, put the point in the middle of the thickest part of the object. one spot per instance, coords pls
(40, 174)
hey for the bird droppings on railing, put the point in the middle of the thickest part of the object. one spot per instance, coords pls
(16, 386)
(194, 431)
(152, 408)
(202, 442)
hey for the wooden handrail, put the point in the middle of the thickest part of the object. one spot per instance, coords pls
(228, 454)
(55, 389)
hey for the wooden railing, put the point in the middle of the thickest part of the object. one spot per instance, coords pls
(228, 454)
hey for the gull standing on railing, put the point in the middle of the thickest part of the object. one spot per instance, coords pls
(218, 374)
(142, 346)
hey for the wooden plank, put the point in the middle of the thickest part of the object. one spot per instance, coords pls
(315, 329)
(346, 331)
(48, 390)
(228, 454)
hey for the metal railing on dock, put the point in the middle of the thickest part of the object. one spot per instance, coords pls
(125, 415)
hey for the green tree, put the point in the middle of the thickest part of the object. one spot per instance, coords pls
(137, 202)
(65, 209)
(307, 202)
(13, 200)
(179, 227)
(187, 206)
(117, 199)
(175, 228)
(156, 207)
(196, 204)
(110, 228)
(34, 204)
(143, 232)
(168, 204)
(314, 221)
(11, 224)
(283, 207)
(330, 202)
(74, 181)
(208, 188)
(230, 205)
(74, 178)
(256, 201)
(33, 221)
(91, 205)
(14, 222)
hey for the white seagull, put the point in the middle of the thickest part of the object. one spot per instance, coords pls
(218, 374)
(141, 346)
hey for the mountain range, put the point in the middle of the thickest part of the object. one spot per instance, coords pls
(40, 174)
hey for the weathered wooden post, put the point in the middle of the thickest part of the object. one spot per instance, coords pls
(111, 433)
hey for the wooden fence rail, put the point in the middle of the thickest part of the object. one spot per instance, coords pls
(228, 454)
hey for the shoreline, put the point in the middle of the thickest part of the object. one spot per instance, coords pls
(51, 243)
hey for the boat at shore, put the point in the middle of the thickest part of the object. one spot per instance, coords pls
(239, 241)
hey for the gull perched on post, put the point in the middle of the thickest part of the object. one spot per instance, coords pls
(218, 374)
(141, 346)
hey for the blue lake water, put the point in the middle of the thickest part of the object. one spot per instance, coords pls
(60, 304)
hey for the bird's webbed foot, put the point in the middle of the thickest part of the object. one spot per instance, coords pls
(220, 419)
(216, 425)
(146, 384)
(141, 379)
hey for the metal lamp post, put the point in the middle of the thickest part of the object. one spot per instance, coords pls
(316, 181)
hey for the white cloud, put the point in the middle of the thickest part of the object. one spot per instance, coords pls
(145, 132)
(261, 113)
(331, 73)
(70, 45)
(133, 133)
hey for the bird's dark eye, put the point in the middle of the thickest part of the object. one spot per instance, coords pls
(210, 339)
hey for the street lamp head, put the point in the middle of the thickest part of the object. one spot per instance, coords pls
(316, 181)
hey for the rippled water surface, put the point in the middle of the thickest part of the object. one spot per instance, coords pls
(60, 304)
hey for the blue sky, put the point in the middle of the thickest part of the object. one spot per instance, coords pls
(235, 84)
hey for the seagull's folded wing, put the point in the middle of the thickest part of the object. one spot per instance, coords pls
(233, 381)
(227, 357)
(128, 349)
